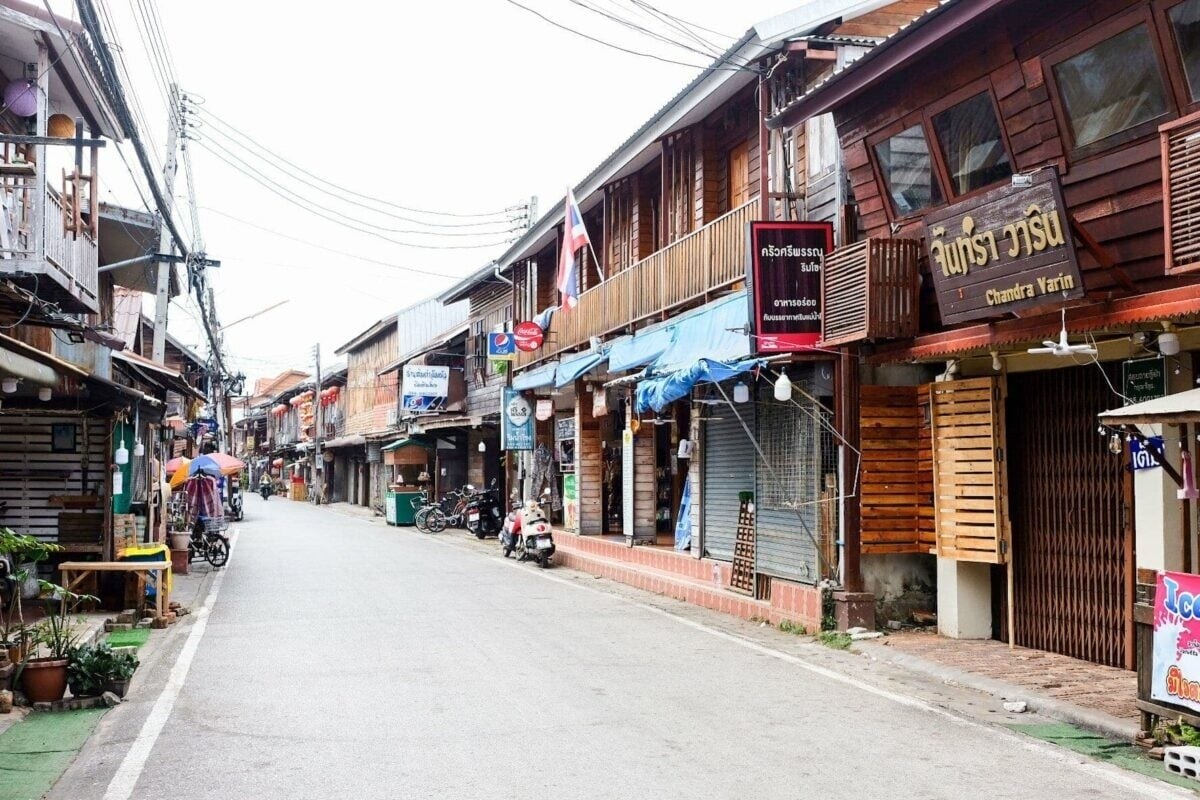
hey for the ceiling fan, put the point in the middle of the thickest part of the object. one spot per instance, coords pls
(1062, 347)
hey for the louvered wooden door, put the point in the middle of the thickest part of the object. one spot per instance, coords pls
(1072, 555)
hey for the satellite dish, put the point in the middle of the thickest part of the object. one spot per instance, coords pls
(1062, 347)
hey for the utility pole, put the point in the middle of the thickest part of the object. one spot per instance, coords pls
(533, 212)
(318, 482)
(163, 289)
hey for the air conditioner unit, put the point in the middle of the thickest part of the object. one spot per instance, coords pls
(393, 417)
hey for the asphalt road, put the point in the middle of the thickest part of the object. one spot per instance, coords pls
(346, 659)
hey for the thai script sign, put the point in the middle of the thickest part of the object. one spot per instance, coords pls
(1003, 251)
(516, 421)
(425, 388)
(1141, 456)
(502, 346)
(1144, 379)
(1175, 675)
(783, 272)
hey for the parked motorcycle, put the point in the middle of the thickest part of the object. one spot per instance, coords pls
(484, 517)
(235, 500)
(527, 532)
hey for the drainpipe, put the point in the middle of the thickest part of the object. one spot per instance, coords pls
(496, 272)
(764, 148)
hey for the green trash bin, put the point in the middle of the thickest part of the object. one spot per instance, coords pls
(400, 508)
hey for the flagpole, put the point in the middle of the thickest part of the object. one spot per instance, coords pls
(596, 259)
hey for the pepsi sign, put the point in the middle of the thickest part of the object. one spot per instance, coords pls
(502, 346)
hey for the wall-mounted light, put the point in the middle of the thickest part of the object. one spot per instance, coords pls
(1168, 343)
(45, 393)
(9, 385)
(741, 393)
(482, 446)
(997, 364)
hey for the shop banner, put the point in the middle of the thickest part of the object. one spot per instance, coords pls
(783, 272)
(425, 388)
(570, 502)
(1176, 661)
(516, 417)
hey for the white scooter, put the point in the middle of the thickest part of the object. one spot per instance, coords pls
(527, 532)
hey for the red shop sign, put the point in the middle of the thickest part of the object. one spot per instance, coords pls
(784, 276)
(529, 336)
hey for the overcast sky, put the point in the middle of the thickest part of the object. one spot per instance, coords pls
(465, 107)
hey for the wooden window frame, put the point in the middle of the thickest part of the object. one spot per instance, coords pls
(1109, 28)
(971, 90)
(913, 119)
(1173, 59)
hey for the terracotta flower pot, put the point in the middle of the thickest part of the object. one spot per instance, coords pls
(45, 679)
(179, 541)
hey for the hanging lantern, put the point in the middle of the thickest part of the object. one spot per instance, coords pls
(139, 449)
(741, 393)
(122, 454)
(9, 385)
(118, 482)
(60, 126)
(20, 98)
(783, 387)
(45, 393)
(1115, 446)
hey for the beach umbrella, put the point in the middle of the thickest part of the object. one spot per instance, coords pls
(176, 464)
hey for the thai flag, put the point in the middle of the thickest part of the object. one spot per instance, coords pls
(574, 237)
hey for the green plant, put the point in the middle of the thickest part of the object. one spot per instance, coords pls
(56, 633)
(787, 626)
(93, 667)
(1176, 733)
(25, 552)
(838, 640)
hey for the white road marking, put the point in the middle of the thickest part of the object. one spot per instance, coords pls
(1144, 786)
(123, 782)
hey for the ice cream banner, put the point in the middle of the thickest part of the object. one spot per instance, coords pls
(1176, 676)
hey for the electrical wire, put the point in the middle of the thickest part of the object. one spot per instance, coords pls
(274, 153)
(627, 50)
(346, 222)
(618, 19)
(681, 21)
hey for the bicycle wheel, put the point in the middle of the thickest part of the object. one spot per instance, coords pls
(217, 551)
(435, 521)
(420, 518)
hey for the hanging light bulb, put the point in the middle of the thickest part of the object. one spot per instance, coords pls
(1115, 446)
(45, 393)
(997, 364)
(482, 446)
(9, 385)
(783, 387)
(122, 454)
(139, 449)
(741, 393)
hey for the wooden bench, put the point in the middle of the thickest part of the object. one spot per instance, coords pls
(75, 572)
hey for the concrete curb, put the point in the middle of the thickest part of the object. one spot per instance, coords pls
(1097, 721)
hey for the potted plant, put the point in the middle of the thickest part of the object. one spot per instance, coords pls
(44, 677)
(23, 554)
(95, 669)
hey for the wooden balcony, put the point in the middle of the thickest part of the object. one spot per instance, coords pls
(705, 261)
(38, 248)
(869, 291)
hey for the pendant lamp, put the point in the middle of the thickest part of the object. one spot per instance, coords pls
(783, 387)
(122, 454)
(741, 392)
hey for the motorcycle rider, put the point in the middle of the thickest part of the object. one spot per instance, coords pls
(266, 485)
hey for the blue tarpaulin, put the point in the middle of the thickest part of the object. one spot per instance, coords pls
(536, 378)
(683, 527)
(716, 331)
(661, 390)
(632, 352)
(568, 371)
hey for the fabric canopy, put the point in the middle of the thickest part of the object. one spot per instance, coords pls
(1171, 409)
(716, 332)
(536, 378)
(658, 392)
(568, 371)
(396, 445)
(630, 352)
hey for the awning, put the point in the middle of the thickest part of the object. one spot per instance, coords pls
(441, 340)
(396, 445)
(1169, 410)
(536, 378)
(435, 422)
(569, 370)
(658, 392)
(158, 374)
(630, 352)
(354, 440)
(717, 332)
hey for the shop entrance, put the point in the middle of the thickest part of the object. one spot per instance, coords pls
(1072, 550)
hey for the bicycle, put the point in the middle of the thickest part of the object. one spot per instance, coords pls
(209, 541)
(429, 517)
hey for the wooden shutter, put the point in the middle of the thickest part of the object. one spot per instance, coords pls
(1181, 202)
(890, 491)
(739, 175)
(970, 491)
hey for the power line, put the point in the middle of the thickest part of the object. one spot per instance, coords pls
(273, 153)
(618, 19)
(682, 21)
(639, 53)
(254, 175)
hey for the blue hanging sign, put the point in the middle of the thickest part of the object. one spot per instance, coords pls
(516, 421)
(1140, 456)
(502, 346)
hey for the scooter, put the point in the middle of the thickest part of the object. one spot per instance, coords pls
(484, 517)
(527, 532)
(235, 501)
(266, 490)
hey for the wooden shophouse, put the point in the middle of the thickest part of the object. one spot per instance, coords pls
(1022, 146)
(372, 417)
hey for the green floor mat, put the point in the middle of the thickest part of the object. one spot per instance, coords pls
(34, 752)
(134, 638)
(1093, 745)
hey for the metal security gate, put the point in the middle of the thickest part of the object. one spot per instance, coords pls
(1072, 552)
(729, 465)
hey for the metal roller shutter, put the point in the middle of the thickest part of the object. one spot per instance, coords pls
(729, 458)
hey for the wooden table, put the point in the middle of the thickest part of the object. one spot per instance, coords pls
(73, 572)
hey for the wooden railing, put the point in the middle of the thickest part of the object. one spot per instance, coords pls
(706, 260)
(75, 257)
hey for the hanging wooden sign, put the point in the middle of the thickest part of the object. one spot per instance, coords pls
(1003, 251)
